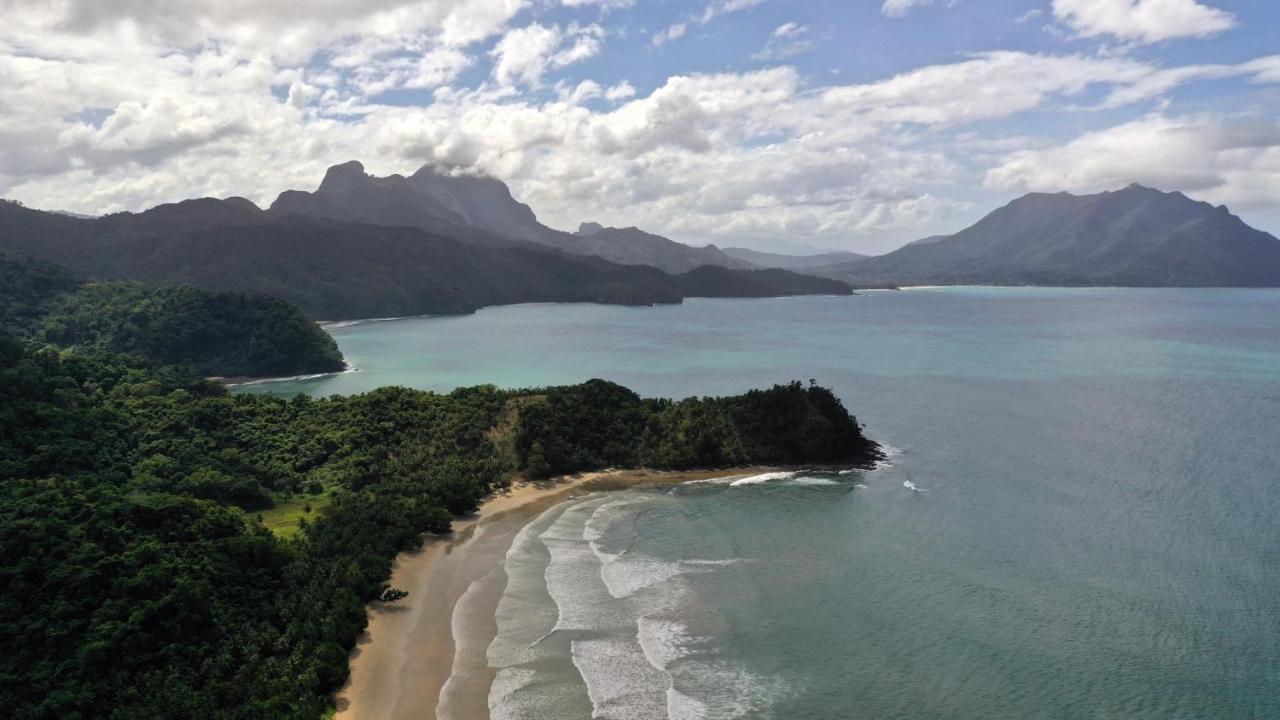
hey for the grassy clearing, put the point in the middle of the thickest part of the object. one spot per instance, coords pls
(284, 519)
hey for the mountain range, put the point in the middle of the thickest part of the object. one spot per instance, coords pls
(1136, 236)
(481, 210)
(793, 262)
(434, 243)
(361, 246)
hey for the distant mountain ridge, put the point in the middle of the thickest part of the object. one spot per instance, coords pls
(1137, 236)
(337, 270)
(426, 200)
(793, 262)
(633, 246)
(480, 210)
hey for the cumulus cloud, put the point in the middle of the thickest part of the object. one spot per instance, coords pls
(287, 29)
(123, 109)
(1142, 21)
(1219, 161)
(523, 55)
(621, 91)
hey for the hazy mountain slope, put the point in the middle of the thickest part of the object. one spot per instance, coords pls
(1131, 237)
(791, 262)
(334, 270)
(633, 246)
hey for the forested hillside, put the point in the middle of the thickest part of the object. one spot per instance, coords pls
(344, 270)
(139, 581)
(212, 333)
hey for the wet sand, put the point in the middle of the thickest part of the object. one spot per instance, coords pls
(407, 655)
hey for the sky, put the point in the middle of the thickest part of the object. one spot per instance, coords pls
(775, 124)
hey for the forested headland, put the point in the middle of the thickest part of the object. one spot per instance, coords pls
(140, 578)
(201, 331)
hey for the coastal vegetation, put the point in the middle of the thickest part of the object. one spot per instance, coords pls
(600, 424)
(206, 332)
(172, 550)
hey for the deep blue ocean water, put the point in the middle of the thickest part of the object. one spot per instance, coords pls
(1098, 534)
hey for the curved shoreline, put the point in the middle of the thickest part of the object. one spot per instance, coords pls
(407, 654)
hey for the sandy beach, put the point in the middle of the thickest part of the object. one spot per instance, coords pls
(406, 664)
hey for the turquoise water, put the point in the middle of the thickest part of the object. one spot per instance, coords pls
(1098, 534)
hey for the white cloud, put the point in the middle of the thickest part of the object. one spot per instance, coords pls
(1237, 163)
(285, 29)
(674, 32)
(525, 54)
(788, 40)
(603, 4)
(713, 10)
(1143, 21)
(122, 114)
(621, 91)
(899, 8)
(439, 67)
(1159, 82)
(723, 7)
(988, 85)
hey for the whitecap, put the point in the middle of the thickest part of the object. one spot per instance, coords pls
(626, 576)
(762, 478)
(814, 481)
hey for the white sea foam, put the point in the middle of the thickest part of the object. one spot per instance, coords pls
(469, 656)
(621, 682)
(532, 679)
(762, 478)
(806, 480)
(715, 563)
(630, 623)
(526, 611)
(366, 321)
(622, 511)
(890, 452)
(603, 648)
(573, 575)
(292, 378)
(913, 487)
(664, 641)
(685, 707)
(625, 577)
